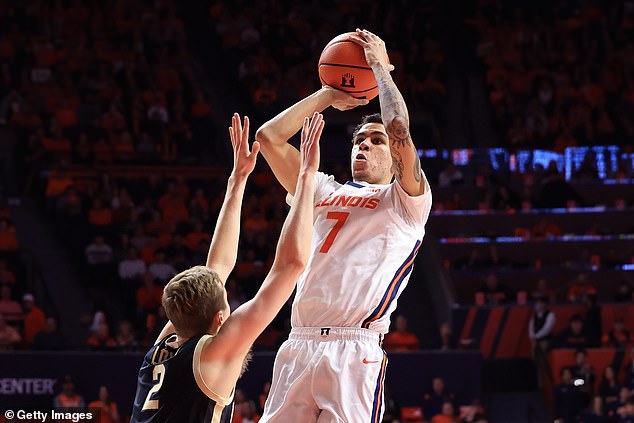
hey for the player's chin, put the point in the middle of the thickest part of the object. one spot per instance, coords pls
(359, 165)
(360, 174)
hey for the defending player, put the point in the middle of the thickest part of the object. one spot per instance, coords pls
(366, 235)
(190, 373)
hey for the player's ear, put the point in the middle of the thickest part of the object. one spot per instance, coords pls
(220, 318)
(216, 323)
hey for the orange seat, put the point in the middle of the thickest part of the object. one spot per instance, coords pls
(412, 415)
(611, 312)
(563, 313)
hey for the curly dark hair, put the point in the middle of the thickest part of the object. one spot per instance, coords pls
(373, 118)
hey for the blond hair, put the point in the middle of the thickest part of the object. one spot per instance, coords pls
(192, 298)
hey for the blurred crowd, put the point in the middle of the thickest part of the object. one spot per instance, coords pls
(136, 233)
(97, 83)
(582, 395)
(559, 73)
(274, 47)
(87, 84)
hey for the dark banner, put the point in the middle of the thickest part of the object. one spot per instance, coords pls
(29, 379)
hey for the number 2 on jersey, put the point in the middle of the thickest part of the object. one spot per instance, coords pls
(158, 374)
(341, 218)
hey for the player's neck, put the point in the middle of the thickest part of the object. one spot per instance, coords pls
(364, 182)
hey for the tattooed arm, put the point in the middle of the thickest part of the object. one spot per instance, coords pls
(405, 161)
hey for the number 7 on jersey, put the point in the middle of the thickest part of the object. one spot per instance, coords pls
(341, 218)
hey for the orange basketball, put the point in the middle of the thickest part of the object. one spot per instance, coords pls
(342, 65)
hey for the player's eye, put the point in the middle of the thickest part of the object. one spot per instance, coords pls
(377, 140)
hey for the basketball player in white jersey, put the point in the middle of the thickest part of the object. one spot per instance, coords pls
(366, 235)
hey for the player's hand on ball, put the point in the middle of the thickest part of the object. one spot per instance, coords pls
(374, 48)
(309, 148)
(243, 159)
(341, 100)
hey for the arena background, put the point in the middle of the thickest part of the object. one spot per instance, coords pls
(114, 156)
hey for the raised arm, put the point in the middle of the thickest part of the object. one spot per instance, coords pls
(293, 249)
(282, 157)
(223, 251)
(405, 161)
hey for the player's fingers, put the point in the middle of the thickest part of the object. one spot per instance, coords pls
(359, 102)
(238, 121)
(245, 132)
(320, 129)
(315, 122)
(237, 126)
(316, 118)
(305, 145)
(305, 129)
(314, 145)
(368, 35)
(255, 149)
(308, 127)
(231, 135)
(358, 39)
(234, 129)
(361, 33)
(371, 34)
(313, 127)
(309, 132)
(311, 124)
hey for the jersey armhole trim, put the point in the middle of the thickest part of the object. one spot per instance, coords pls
(224, 401)
(158, 341)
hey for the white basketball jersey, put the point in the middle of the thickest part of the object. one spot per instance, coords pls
(365, 239)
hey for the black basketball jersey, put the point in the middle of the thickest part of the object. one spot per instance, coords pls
(170, 387)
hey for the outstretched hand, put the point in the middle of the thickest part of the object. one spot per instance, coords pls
(309, 148)
(374, 48)
(243, 159)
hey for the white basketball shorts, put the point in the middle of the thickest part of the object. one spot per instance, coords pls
(328, 375)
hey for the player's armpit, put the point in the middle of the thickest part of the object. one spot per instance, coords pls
(226, 353)
(216, 378)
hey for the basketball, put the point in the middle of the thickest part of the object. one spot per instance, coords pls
(342, 65)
